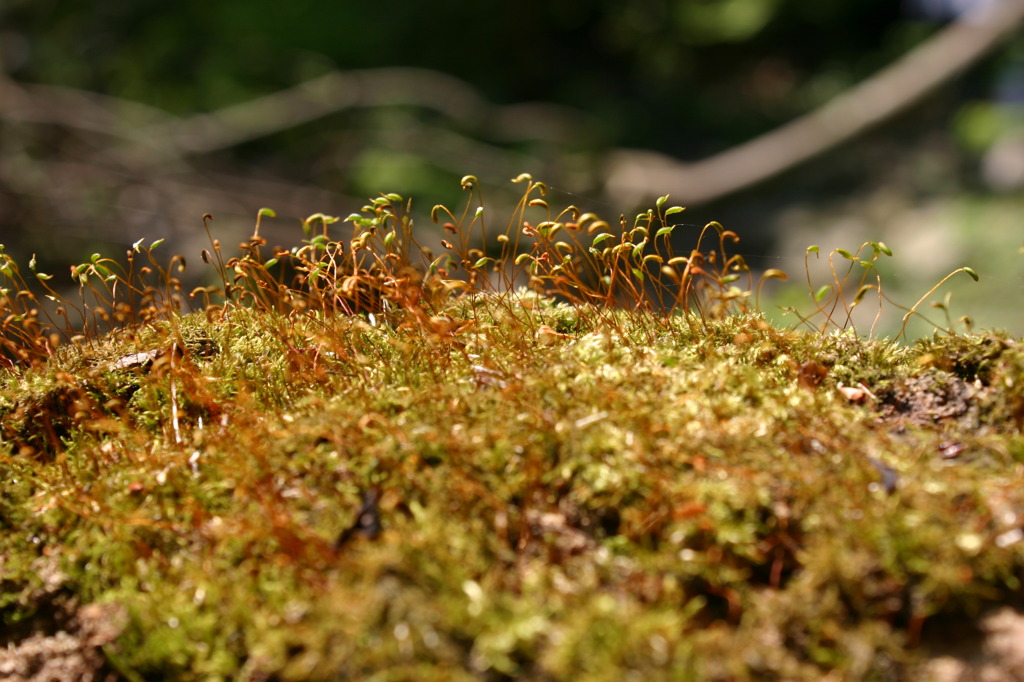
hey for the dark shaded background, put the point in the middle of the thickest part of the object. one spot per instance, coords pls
(543, 87)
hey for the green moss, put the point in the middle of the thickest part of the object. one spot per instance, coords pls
(595, 505)
(561, 490)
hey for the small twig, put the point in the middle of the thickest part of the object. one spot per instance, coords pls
(174, 400)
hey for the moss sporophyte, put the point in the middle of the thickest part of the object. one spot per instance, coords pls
(560, 451)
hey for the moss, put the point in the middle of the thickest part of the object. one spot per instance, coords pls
(556, 489)
(599, 508)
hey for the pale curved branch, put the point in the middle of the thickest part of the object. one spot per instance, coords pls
(633, 175)
(319, 97)
(76, 109)
(262, 116)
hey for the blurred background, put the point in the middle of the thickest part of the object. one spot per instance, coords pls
(792, 122)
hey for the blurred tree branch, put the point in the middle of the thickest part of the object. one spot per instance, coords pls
(633, 174)
(156, 148)
(147, 144)
(320, 97)
(274, 113)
